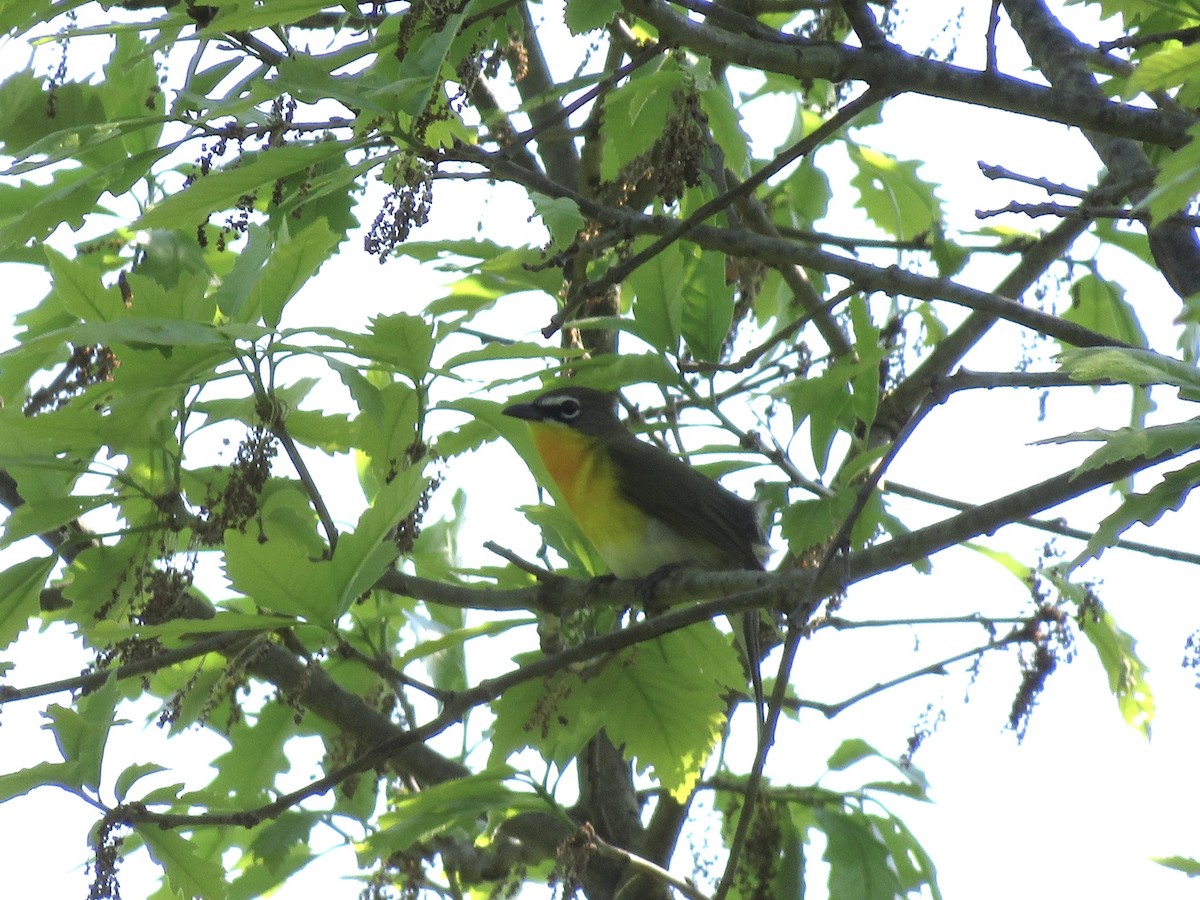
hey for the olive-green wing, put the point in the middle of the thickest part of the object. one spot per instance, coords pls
(668, 489)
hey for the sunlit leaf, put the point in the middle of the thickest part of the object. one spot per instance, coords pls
(457, 804)
(188, 873)
(858, 857)
(1126, 672)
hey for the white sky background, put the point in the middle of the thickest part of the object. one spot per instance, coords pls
(1074, 810)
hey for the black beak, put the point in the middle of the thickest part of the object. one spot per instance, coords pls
(523, 411)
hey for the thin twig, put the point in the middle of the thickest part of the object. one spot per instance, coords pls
(1053, 526)
(92, 680)
(935, 668)
(542, 574)
(643, 865)
(754, 354)
(273, 417)
(1082, 211)
(1050, 187)
(389, 672)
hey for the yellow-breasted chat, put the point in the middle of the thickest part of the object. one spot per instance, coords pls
(640, 506)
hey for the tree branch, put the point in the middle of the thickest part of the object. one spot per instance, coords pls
(902, 403)
(894, 71)
(735, 242)
(1063, 60)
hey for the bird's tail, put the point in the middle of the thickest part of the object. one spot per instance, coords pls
(746, 632)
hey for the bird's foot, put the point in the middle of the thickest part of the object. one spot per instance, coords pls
(649, 587)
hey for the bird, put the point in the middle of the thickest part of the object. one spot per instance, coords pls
(643, 508)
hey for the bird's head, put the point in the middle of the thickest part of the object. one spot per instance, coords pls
(584, 410)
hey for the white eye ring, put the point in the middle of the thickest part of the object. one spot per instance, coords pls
(568, 408)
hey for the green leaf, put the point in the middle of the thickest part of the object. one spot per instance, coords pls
(855, 750)
(293, 261)
(891, 193)
(20, 589)
(46, 774)
(810, 523)
(277, 840)
(1134, 443)
(363, 555)
(864, 379)
(1005, 560)
(1166, 67)
(223, 189)
(806, 194)
(454, 805)
(788, 880)
(188, 873)
(399, 340)
(144, 333)
(494, 350)
(454, 641)
(658, 286)
(232, 296)
(387, 428)
(328, 433)
(99, 575)
(250, 16)
(636, 113)
(664, 701)
(610, 371)
(1177, 181)
(1100, 305)
(129, 92)
(132, 775)
(589, 15)
(279, 571)
(834, 400)
(32, 211)
(79, 291)
(18, 16)
(82, 733)
(912, 864)
(555, 716)
(858, 857)
(1185, 864)
(1147, 508)
(707, 305)
(246, 772)
(410, 87)
(561, 216)
(1137, 367)
(724, 120)
(949, 256)
(849, 752)
(279, 575)
(1126, 672)
(108, 630)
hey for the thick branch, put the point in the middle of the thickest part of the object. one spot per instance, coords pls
(987, 517)
(537, 88)
(1051, 526)
(890, 69)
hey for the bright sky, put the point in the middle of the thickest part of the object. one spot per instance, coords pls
(1075, 809)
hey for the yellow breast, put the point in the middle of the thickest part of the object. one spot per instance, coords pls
(632, 543)
(584, 475)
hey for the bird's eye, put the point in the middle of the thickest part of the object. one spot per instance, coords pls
(568, 409)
